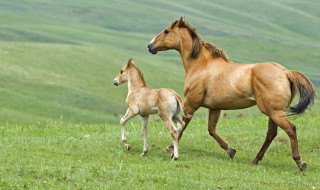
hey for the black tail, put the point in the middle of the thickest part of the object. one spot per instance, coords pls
(306, 90)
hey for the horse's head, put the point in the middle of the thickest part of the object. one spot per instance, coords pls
(167, 39)
(123, 75)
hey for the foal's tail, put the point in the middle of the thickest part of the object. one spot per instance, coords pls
(180, 104)
(306, 90)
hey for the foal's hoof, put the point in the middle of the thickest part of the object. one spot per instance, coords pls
(169, 149)
(302, 166)
(173, 157)
(127, 146)
(231, 152)
(143, 154)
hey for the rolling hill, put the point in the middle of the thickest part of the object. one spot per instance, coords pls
(58, 58)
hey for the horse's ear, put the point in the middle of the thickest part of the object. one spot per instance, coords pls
(182, 22)
(130, 62)
(174, 24)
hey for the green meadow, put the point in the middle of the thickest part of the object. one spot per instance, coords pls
(59, 110)
(91, 156)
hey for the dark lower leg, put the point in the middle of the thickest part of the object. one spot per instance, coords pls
(290, 129)
(294, 147)
(212, 123)
(271, 134)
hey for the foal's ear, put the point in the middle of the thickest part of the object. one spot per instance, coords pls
(130, 62)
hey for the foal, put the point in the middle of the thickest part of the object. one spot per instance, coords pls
(145, 101)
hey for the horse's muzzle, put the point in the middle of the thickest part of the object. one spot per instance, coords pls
(152, 49)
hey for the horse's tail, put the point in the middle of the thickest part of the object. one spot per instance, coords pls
(180, 104)
(306, 90)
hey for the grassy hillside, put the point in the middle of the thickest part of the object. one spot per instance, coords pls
(58, 58)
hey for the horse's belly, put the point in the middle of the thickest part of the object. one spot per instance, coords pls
(229, 104)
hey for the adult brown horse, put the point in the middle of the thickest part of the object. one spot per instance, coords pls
(214, 82)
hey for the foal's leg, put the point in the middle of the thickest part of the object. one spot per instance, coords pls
(129, 114)
(271, 134)
(190, 111)
(212, 123)
(144, 133)
(169, 124)
(180, 124)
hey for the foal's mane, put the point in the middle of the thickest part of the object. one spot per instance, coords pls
(139, 72)
(197, 42)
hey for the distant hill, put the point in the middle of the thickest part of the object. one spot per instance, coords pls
(58, 58)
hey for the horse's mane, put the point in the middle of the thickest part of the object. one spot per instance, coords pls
(197, 42)
(139, 73)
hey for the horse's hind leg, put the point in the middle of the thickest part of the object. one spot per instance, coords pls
(144, 133)
(129, 114)
(271, 134)
(282, 121)
(212, 123)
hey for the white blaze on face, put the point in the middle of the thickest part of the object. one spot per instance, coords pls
(152, 40)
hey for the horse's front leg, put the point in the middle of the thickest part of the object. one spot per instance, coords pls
(144, 133)
(129, 114)
(212, 123)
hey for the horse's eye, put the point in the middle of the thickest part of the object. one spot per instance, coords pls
(166, 31)
(121, 71)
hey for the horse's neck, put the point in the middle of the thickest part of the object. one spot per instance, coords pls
(191, 64)
(135, 81)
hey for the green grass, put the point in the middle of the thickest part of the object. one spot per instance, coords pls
(58, 58)
(59, 109)
(62, 155)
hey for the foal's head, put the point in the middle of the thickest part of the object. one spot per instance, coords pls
(124, 74)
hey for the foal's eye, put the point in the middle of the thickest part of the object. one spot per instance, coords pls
(166, 31)
(121, 71)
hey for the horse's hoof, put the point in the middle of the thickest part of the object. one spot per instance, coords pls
(127, 146)
(254, 162)
(302, 166)
(231, 152)
(174, 159)
(143, 154)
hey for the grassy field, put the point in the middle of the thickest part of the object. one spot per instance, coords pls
(70, 156)
(59, 110)
(58, 58)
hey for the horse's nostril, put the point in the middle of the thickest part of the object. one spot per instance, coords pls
(148, 45)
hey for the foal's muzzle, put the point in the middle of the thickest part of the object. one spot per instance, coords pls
(115, 82)
(152, 49)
